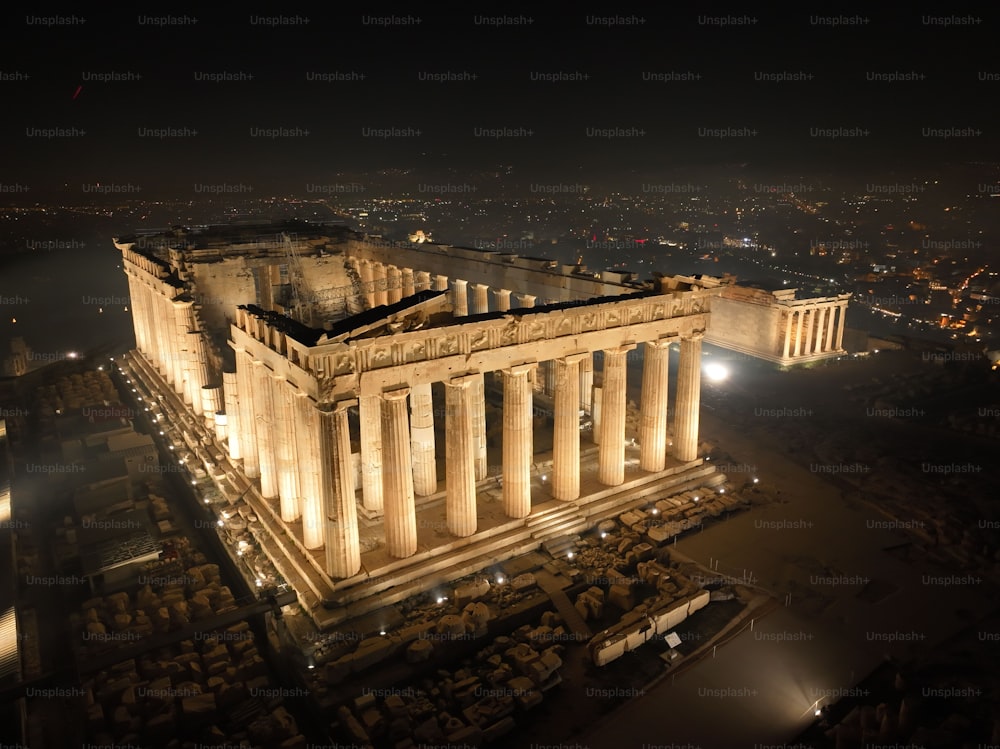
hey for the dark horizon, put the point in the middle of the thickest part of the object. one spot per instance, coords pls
(187, 100)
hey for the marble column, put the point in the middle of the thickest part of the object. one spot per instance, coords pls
(788, 334)
(518, 447)
(264, 409)
(566, 428)
(211, 402)
(479, 425)
(480, 299)
(810, 326)
(381, 284)
(397, 476)
(248, 416)
(394, 284)
(149, 319)
(501, 299)
(687, 408)
(525, 301)
(133, 299)
(136, 303)
(549, 373)
(232, 398)
(184, 363)
(611, 458)
(460, 456)
(587, 383)
(154, 325)
(367, 275)
(653, 406)
(167, 334)
(798, 331)
(840, 325)
(343, 548)
(820, 327)
(308, 460)
(369, 408)
(831, 315)
(440, 283)
(422, 281)
(598, 397)
(196, 370)
(460, 297)
(157, 348)
(172, 354)
(284, 448)
(422, 440)
(140, 314)
(149, 313)
(409, 287)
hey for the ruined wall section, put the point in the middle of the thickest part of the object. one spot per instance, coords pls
(327, 277)
(219, 287)
(751, 328)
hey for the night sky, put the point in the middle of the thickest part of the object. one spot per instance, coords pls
(85, 76)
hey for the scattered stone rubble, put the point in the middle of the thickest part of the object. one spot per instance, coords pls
(473, 705)
(79, 390)
(427, 624)
(211, 690)
(415, 641)
(168, 601)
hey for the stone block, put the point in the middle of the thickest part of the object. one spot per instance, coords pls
(470, 592)
(621, 596)
(523, 582)
(419, 650)
(198, 710)
(496, 730)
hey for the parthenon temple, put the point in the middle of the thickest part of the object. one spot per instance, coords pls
(396, 411)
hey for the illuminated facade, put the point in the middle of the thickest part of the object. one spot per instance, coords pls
(315, 358)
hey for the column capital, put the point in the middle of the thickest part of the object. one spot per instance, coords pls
(343, 405)
(397, 394)
(694, 335)
(520, 369)
(660, 343)
(623, 349)
(459, 281)
(463, 381)
(478, 286)
(574, 358)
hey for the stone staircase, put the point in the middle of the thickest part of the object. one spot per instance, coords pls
(554, 526)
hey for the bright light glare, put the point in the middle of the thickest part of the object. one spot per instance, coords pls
(716, 372)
